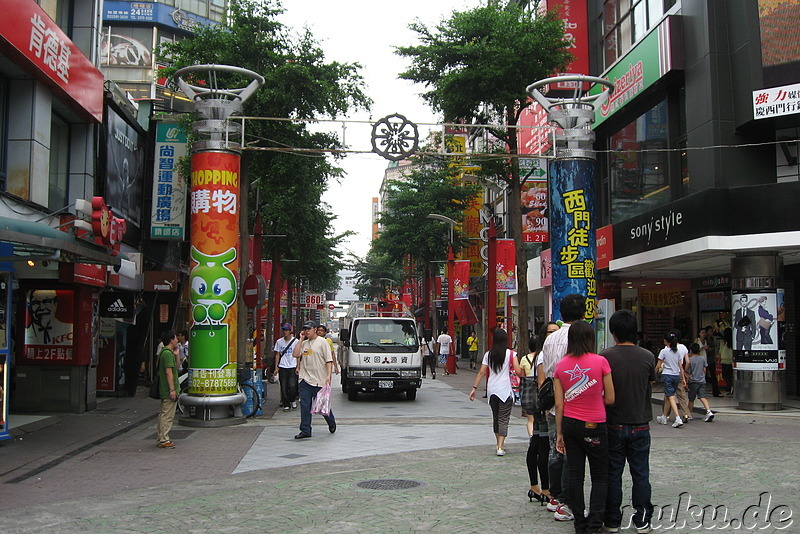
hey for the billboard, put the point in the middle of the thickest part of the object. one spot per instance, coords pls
(124, 168)
(170, 189)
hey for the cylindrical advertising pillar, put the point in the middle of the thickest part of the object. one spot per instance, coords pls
(757, 315)
(572, 234)
(214, 272)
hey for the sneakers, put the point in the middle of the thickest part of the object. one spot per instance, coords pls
(644, 529)
(501, 452)
(678, 422)
(552, 505)
(709, 416)
(662, 419)
(688, 419)
(294, 406)
(606, 528)
(563, 513)
(285, 408)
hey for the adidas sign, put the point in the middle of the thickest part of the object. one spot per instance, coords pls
(117, 306)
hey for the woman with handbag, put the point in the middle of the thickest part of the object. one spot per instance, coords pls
(497, 365)
(539, 444)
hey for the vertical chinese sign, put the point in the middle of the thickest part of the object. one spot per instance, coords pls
(169, 187)
(506, 265)
(214, 272)
(572, 233)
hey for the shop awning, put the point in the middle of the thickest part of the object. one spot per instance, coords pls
(34, 240)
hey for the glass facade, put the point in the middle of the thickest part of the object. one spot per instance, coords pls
(59, 163)
(622, 23)
(638, 165)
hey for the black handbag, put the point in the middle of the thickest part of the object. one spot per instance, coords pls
(547, 395)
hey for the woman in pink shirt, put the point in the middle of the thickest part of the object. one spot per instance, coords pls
(583, 387)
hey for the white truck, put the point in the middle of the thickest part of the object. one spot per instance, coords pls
(379, 349)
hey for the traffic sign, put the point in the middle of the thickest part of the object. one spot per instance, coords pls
(254, 291)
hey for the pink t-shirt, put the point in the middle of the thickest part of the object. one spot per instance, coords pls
(582, 380)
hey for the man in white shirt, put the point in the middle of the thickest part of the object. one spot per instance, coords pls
(286, 368)
(445, 343)
(314, 367)
(573, 308)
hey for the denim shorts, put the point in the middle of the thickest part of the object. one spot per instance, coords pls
(697, 390)
(670, 384)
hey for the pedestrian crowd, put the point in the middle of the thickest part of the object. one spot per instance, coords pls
(600, 415)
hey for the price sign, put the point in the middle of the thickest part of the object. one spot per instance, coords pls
(313, 300)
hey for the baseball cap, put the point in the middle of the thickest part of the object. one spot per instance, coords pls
(309, 324)
(286, 326)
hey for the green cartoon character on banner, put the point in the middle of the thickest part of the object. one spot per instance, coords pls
(213, 286)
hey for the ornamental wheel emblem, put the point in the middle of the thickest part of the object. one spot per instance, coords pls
(395, 137)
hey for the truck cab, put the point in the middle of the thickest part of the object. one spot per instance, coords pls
(380, 349)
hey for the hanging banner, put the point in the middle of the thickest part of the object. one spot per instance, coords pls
(534, 210)
(465, 314)
(506, 265)
(461, 279)
(213, 281)
(168, 212)
(573, 238)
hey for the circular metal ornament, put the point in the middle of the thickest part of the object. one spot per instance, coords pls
(395, 137)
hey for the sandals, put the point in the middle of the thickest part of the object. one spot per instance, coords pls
(166, 445)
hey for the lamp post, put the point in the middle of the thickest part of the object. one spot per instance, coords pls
(451, 329)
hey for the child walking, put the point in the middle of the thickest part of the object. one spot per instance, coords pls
(698, 367)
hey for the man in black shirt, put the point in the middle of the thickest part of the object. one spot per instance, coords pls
(628, 422)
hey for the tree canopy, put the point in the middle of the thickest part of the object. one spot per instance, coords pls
(475, 67)
(299, 84)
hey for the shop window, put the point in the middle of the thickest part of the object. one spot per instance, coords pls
(638, 165)
(623, 23)
(59, 163)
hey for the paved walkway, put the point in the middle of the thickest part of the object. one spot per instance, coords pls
(100, 472)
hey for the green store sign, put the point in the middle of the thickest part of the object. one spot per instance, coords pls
(646, 63)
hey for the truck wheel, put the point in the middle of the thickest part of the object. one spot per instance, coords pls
(344, 385)
(411, 394)
(352, 394)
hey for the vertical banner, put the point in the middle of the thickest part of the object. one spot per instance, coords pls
(534, 211)
(461, 279)
(214, 272)
(573, 239)
(168, 213)
(506, 265)
(471, 228)
(756, 316)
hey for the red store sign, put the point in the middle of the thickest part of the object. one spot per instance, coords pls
(31, 38)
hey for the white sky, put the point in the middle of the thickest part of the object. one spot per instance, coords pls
(365, 31)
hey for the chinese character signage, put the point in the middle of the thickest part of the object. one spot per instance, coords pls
(661, 298)
(168, 213)
(49, 326)
(461, 279)
(776, 101)
(52, 56)
(214, 254)
(572, 234)
(576, 31)
(506, 265)
(534, 200)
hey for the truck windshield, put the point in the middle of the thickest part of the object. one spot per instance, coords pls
(385, 335)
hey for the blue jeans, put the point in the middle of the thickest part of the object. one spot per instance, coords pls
(586, 441)
(557, 470)
(631, 443)
(307, 395)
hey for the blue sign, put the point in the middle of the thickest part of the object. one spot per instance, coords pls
(572, 233)
(153, 12)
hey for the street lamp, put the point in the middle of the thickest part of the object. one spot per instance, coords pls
(451, 329)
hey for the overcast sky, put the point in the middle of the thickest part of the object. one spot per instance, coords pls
(365, 31)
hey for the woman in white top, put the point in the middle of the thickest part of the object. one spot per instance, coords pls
(497, 364)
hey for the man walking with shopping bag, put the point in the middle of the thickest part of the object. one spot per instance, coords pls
(314, 366)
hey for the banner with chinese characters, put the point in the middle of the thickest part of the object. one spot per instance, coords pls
(168, 213)
(49, 327)
(534, 201)
(461, 279)
(214, 272)
(572, 235)
(661, 298)
(506, 265)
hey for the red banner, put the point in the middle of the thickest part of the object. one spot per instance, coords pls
(461, 279)
(534, 211)
(38, 45)
(464, 312)
(506, 265)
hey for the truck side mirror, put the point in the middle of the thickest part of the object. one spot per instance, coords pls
(344, 336)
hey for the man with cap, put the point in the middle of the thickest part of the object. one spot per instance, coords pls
(314, 371)
(286, 368)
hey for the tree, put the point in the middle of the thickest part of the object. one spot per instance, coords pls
(475, 67)
(300, 84)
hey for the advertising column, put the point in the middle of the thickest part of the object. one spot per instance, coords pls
(214, 272)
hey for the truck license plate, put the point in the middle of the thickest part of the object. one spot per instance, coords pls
(385, 384)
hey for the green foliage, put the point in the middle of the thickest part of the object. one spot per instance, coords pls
(299, 84)
(374, 275)
(482, 60)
